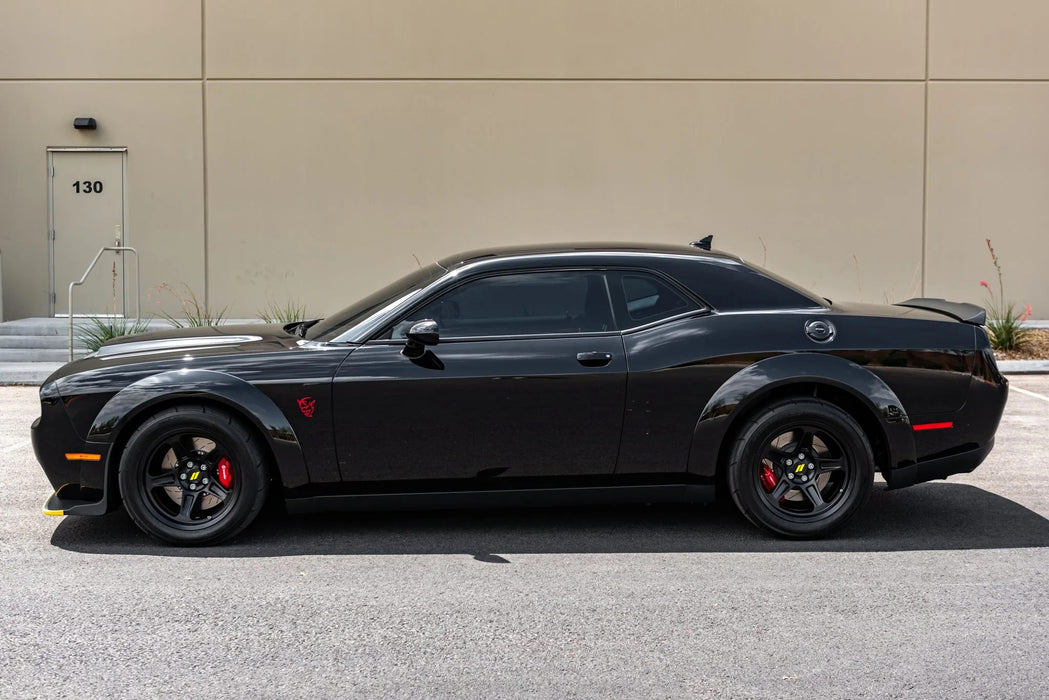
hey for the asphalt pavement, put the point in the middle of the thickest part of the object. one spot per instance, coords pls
(939, 590)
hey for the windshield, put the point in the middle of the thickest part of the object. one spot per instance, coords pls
(353, 314)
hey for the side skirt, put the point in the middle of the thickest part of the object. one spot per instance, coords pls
(501, 498)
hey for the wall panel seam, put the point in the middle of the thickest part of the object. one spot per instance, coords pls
(907, 81)
(925, 153)
(903, 81)
(100, 80)
(204, 145)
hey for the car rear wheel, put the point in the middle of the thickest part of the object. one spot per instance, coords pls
(193, 475)
(801, 468)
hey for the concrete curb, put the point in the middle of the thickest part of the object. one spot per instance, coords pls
(1023, 366)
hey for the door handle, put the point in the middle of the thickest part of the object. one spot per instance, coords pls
(594, 359)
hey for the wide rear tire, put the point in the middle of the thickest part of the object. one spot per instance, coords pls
(801, 468)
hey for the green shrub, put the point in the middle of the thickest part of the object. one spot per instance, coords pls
(91, 335)
(288, 312)
(195, 312)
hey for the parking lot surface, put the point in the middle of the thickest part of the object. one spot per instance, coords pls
(939, 590)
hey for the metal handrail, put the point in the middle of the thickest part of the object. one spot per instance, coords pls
(138, 287)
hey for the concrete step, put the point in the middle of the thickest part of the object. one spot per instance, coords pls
(35, 326)
(56, 326)
(34, 341)
(33, 373)
(37, 355)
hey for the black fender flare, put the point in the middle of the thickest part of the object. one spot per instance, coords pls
(750, 386)
(245, 400)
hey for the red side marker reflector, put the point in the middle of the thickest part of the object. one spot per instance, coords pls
(82, 456)
(933, 426)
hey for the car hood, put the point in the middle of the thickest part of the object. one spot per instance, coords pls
(239, 350)
(244, 337)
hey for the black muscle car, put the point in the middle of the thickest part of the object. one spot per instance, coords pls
(544, 375)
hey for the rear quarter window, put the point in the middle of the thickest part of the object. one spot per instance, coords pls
(733, 286)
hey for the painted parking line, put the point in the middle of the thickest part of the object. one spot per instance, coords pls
(1043, 397)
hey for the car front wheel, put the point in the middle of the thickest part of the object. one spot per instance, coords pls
(801, 468)
(193, 475)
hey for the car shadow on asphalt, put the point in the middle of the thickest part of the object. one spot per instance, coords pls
(939, 516)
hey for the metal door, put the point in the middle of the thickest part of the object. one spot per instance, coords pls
(86, 198)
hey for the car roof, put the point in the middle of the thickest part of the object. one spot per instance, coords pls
(543, 249)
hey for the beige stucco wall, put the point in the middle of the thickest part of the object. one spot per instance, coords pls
(160, 124)
(315, 149)
(47, 39)
(378, 172)
(629, 39)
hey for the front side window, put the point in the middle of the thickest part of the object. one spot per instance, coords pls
(531, 303)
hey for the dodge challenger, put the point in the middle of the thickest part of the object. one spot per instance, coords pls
(544, 375)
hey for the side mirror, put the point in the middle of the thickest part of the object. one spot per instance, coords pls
(421, 334)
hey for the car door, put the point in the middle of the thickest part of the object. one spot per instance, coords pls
(527, 380)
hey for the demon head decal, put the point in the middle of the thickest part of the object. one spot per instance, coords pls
(308, 404)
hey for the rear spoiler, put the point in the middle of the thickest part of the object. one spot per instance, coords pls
(966, 313)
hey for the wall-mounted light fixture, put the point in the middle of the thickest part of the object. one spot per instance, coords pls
(88, 123)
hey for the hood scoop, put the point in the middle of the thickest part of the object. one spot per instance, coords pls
(136, 347)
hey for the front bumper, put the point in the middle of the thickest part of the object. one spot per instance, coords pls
(71, 499)
(77, 469)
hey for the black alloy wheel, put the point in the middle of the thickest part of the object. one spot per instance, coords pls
(193, 475)
(801, 468)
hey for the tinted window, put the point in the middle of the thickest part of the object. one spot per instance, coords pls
(533, 303)
(647, 298)
(732, 286)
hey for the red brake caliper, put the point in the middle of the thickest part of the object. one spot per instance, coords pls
(768, 477)
(225, 473)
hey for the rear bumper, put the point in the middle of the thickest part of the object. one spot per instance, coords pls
(968, 434)
(938, 467)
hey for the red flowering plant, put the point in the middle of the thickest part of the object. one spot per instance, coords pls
(1004, 324)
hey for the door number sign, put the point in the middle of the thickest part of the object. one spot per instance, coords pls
(87, 187)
